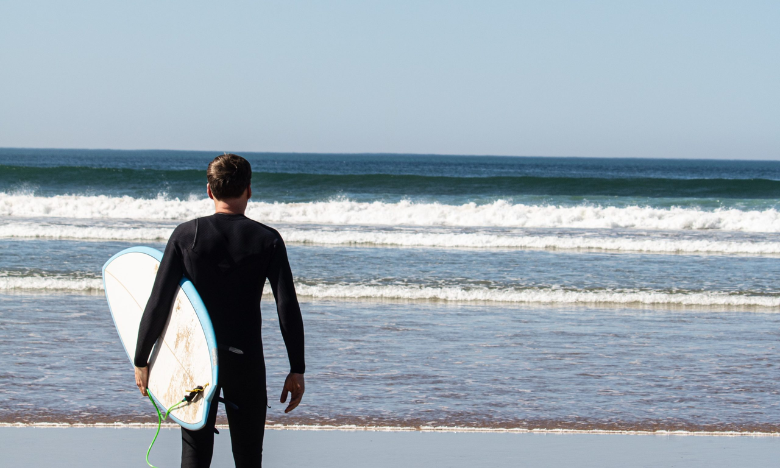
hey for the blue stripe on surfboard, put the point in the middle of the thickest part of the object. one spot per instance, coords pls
(205, 322)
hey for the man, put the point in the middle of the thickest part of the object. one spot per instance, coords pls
(228, 256)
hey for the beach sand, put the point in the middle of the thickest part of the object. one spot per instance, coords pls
(126, 447)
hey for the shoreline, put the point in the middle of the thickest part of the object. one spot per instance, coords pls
(406, 429)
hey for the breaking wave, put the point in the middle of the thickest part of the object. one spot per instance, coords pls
(541, 242)
(87, 233)
(536, 295)
(519, 295)
(385, 238)
(135, 181)
(50, 284)
(501, 213)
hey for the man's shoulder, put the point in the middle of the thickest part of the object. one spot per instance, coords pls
(186, 226)
(265, 229)
(184, 231)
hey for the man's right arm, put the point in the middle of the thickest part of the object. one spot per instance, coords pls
(158, 307)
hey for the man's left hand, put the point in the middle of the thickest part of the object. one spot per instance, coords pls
(293, 384)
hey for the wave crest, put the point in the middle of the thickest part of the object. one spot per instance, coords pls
(50, 284)
(406, 238)
(519, 295)
(537, 295)
(500, 213)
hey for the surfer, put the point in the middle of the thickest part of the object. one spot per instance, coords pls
(228, 257)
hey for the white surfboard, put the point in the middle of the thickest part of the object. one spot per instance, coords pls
(185, 356)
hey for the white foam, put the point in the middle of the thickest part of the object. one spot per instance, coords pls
(367, 428)
(485, 240)
(535, 295)
(449, 294)
(517, 430)
(27, 230)
(368, 237)
(101, 206)
(50, 283)
(344, 212)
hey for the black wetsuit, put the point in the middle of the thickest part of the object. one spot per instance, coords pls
(228, 258)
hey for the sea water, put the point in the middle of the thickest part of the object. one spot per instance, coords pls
(447, 291)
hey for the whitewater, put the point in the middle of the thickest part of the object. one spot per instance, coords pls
(349, 236)
(500, 213)
(517, 295)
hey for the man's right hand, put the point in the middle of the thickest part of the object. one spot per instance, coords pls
(142, 379)
(293, 384)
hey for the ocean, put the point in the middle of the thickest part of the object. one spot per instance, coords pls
(460, 292)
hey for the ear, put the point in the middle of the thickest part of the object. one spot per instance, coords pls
(208, 190)
(248, 192)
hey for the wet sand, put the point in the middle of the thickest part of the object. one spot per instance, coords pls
(126, 447)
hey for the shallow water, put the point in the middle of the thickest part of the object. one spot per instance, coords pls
(409, 364)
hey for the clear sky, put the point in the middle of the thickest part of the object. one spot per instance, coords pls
(549, 78)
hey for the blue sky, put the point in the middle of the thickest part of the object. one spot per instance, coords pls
(553, 78)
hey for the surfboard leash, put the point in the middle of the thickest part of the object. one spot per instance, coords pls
(187, 399)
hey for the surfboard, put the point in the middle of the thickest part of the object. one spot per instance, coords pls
(185, 356)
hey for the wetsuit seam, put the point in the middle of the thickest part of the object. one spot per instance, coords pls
(195, 237)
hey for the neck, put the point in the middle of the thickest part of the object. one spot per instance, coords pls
(235, 206)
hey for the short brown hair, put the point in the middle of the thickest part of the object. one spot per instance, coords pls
(228, 175)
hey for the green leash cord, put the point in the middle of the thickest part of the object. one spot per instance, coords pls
(160, 419)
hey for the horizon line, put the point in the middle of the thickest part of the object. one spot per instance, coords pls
(384, 153)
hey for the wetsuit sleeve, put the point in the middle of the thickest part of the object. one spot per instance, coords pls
(159, 306)
(290, 320)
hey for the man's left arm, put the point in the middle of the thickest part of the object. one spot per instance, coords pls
(290, 322)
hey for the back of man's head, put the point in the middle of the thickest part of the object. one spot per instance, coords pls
(228, 175)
